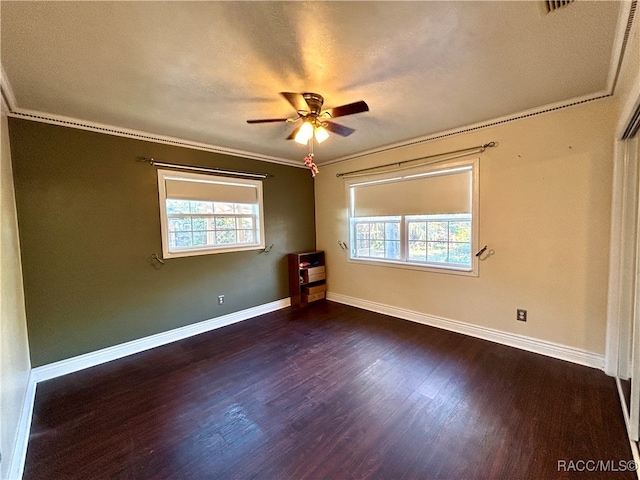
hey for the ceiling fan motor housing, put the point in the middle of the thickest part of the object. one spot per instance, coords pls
(314, 101)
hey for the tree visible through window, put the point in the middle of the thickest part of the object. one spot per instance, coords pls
(378, 237)
(198, 223)
(443, 239)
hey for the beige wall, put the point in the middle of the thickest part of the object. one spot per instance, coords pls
(545, 195)
(14, 350)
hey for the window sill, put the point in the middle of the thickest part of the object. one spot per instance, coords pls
(463, 271)
(210, 251)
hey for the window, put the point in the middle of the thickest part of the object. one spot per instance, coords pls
(203, 214)
(423, 218)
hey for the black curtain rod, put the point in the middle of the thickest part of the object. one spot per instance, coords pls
(234, 173)
(450, 155)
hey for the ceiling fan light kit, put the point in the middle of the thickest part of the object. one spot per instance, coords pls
(305, 132)
(315, 121)
(321, 134)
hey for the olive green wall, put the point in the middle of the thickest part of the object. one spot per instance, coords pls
(89, 222)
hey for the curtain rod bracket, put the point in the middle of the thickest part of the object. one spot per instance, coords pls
(154, 256)
(267, 249)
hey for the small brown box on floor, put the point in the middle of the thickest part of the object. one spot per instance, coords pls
(312, 298)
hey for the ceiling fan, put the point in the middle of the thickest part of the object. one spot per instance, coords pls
(315, 121)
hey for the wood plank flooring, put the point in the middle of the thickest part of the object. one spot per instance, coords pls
(327, 392)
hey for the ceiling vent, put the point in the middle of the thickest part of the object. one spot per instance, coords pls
(553, 5)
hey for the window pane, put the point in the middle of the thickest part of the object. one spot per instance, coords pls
(245, 236)
(376, 249)
(417, 230)
(225, 222)
(219, 207)
(226, 237)
(199, 238)
(199, 223)
(180, 224)
(177, 206)
(460, 231)
(244, 208)
(392, 231)
(437, 251)
(183, 239)
(437, 231)
(200, 207)
(377, 231)
(362, 248)
(377, 239)
(460, 253)
(418, 251)
(393, 250)
(362, 230)
(246, 222)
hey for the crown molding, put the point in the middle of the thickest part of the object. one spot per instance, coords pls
(7, 92)
(61, 120)
(475, 126)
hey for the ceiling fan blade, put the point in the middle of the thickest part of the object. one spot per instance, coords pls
(268, 120)
(339, 129)
(296, 100)
(349, 109)
(293, 134)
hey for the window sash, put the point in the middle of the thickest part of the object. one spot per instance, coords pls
(398, 249)
(212, 231)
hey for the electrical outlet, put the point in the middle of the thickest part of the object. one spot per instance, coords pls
(220, 299)
(521, 315)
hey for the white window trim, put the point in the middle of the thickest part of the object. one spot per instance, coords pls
(208, 250)
(473, 271)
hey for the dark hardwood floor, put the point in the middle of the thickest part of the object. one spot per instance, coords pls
(328, 392)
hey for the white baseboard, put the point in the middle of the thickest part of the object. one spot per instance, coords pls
(91, 359)
(625, 414)
(550, 349)
(19, 454)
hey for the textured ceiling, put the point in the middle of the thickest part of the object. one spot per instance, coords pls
(198, 70)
